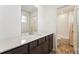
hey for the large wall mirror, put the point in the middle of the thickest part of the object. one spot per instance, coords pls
(29, 19)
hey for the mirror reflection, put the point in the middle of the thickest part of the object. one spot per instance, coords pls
(29, 18)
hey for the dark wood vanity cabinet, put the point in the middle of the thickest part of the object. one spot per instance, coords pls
(41, 40)
(36, 50)
(44, 47)
(40, 46)
(50, 42)
(18, 50)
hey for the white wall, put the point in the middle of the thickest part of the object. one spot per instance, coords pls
(40, 18)
(77, 16)
(50, 21)
(50, 18)
(47, 18)
(63, 26)
(10, 23)
(78, 28)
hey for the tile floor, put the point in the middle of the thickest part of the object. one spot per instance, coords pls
(64, 47)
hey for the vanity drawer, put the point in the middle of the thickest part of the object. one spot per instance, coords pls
(18, 50)
(41, 40)
(33, 44)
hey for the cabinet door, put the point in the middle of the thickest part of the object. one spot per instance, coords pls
(32, 44)
(36, 50)
(51, 41)
(33, 48)
(19, 50)
(41, 40)
(48, 39)
(45, 47)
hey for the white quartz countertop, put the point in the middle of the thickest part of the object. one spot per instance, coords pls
(18, 41)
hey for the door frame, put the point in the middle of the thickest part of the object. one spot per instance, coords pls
(76, 40)
(75, 18)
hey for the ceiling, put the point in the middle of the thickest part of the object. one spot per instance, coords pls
(29, 8)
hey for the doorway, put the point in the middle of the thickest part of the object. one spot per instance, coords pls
(66, 30)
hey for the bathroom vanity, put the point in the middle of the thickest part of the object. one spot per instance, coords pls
(33, 44)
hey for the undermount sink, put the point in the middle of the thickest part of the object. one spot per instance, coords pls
(39, 34)
(31, 33)
(34, 33)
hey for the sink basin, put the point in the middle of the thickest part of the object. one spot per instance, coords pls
(31, 33)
